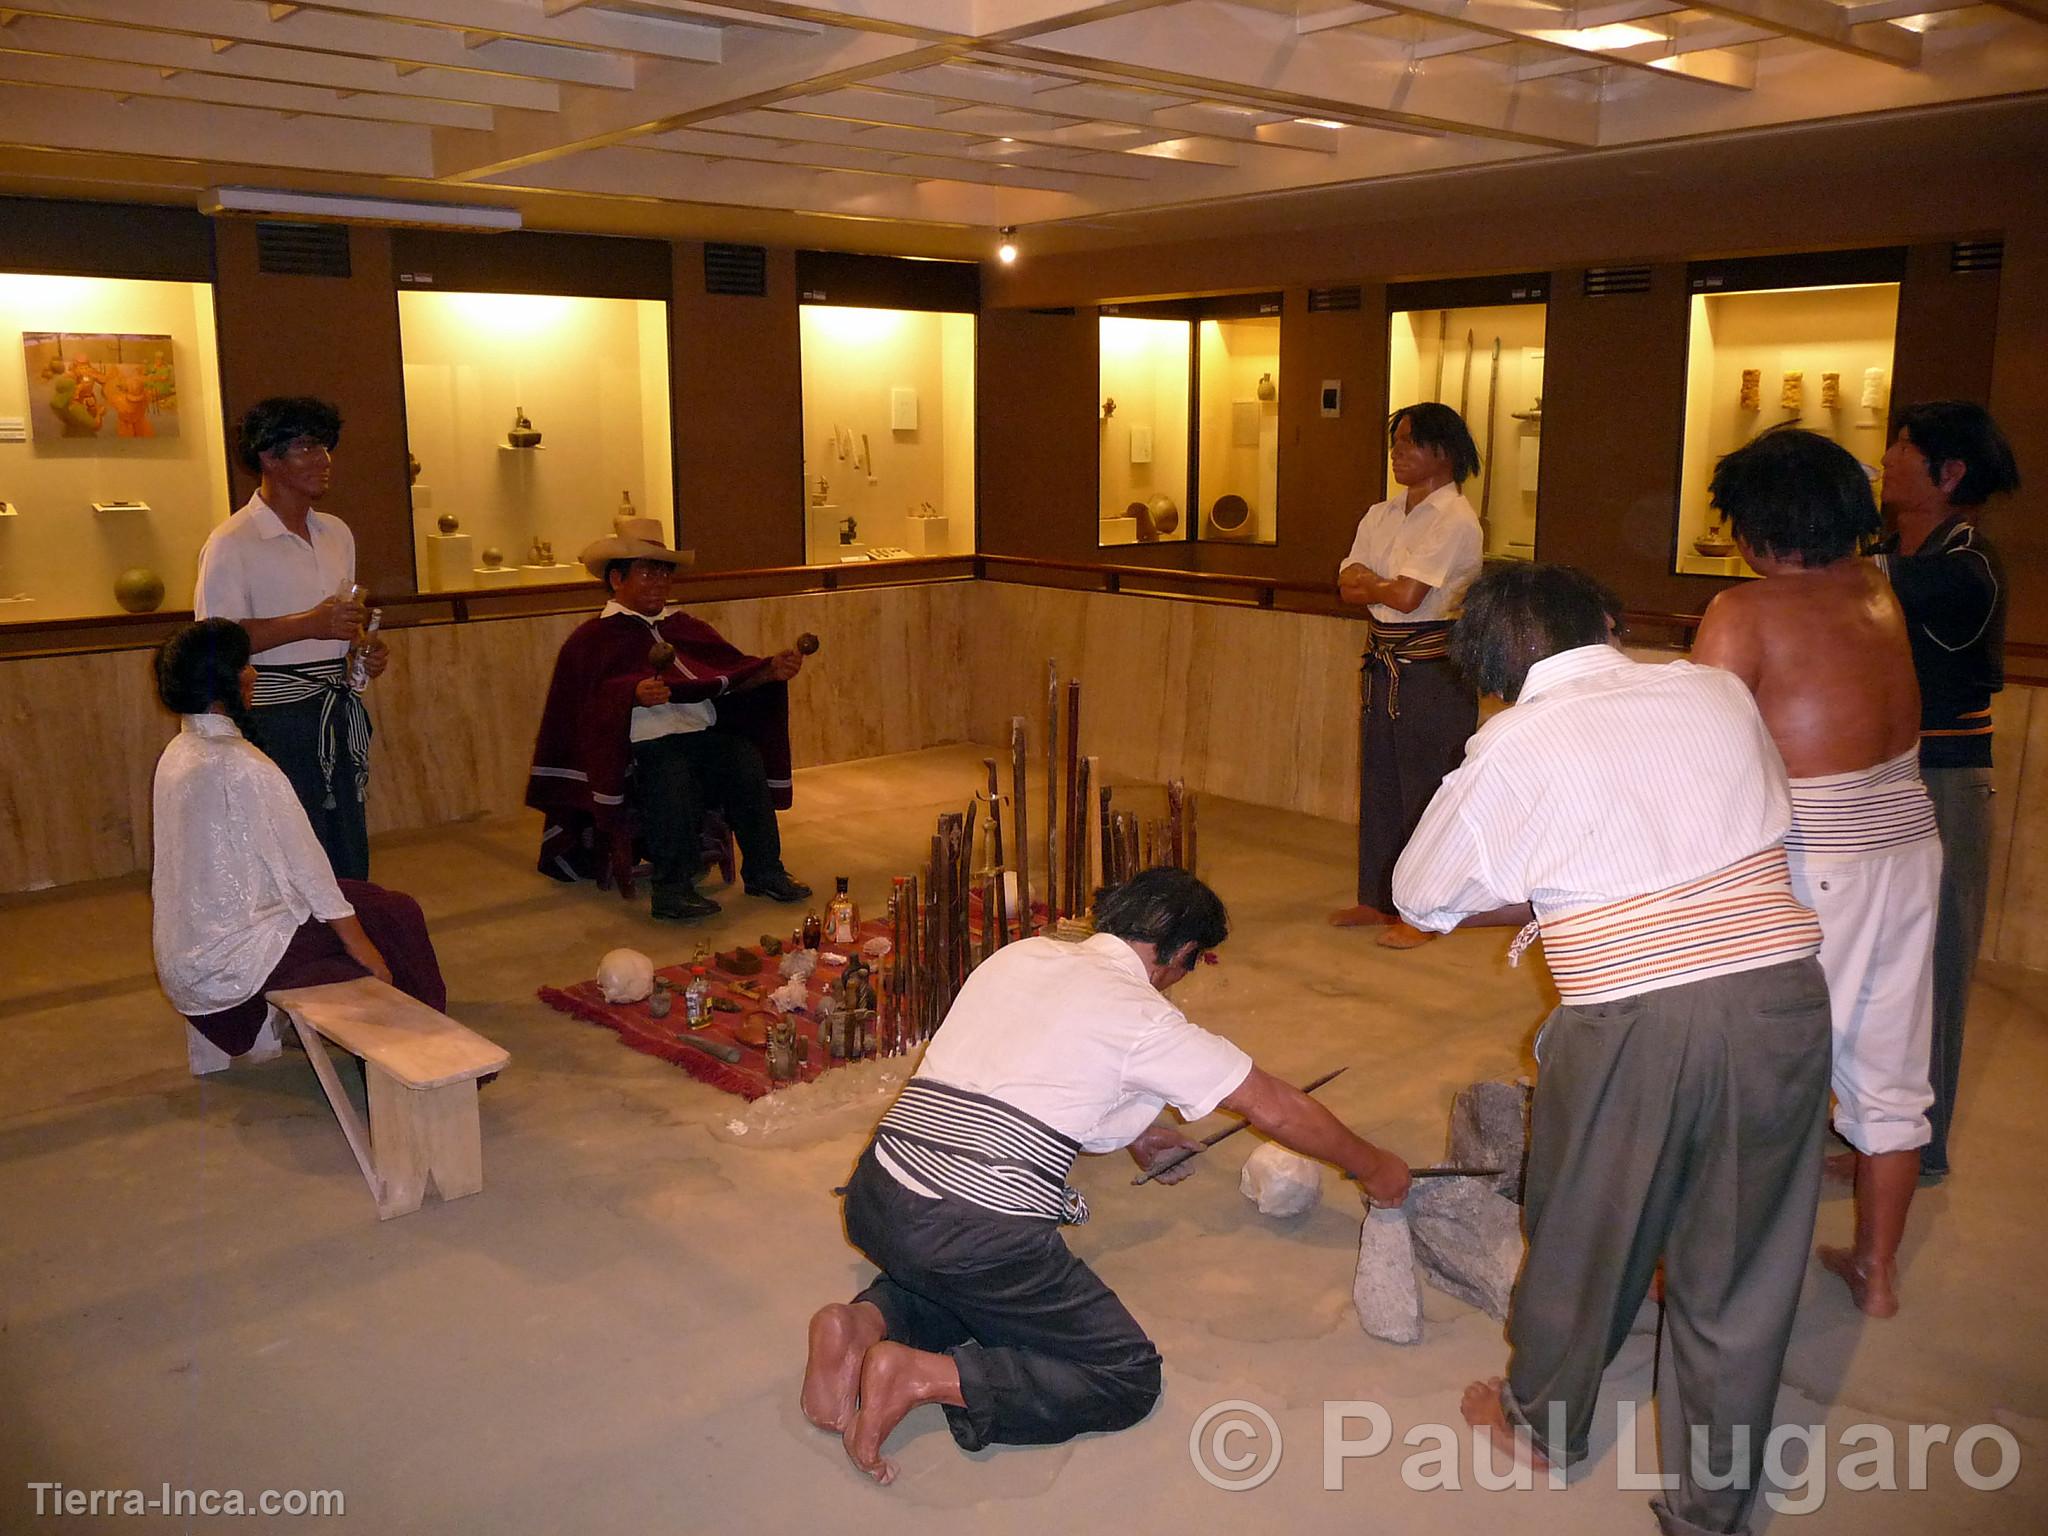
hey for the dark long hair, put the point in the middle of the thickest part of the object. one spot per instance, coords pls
(201, 666)
(1796, 495)
(1432, 424)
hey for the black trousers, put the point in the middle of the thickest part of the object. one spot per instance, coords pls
(677, 778)
(1044, 1349)
(1682, 1124)
(289, 735)
(1401, 760)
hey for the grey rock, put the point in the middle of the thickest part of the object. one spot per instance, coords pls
(1490, 1129)
(1384, 1291)
(1469, 1240)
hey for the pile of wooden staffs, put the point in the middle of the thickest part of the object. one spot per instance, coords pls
(932, 945)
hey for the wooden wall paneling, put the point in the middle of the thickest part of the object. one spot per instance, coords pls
(105, 239)
(79, 738)
(737, 395)
(2019, 399)
(1614, 390)
(1035, 379)
(335, 337)
(2014, 929)
(1948, 331)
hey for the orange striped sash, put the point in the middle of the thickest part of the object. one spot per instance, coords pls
(1738, 918)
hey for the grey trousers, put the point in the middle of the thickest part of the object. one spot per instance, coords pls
(1962, 813)
(1682, 1124)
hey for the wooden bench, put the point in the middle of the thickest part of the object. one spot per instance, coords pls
(421, 1068)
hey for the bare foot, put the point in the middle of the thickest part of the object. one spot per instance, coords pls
(840, 1334)
(1482, 1410)
(894, 1378)
(1839, 1167)
(1870, 1285)
(1361, 917)
(1402, 936)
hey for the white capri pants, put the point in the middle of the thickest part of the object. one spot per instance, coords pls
(1876, 915)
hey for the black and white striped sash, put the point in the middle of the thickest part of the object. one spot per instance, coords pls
(326, 681)
(982, 1151)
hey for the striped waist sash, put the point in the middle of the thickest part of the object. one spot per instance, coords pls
(1393, 646)
(1739, 918)
(982, 1151)
(343, 720)
(1862, 812)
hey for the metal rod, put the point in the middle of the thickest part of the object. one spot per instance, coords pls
(1223, 1135)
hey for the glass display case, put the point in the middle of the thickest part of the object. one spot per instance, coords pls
(888, 433)
(1237, 446)
(1820, 357)
(533, 420)
(1143, 450)
(113, 463)
(1486, 362)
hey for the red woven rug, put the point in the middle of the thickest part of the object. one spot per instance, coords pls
(747, 1077)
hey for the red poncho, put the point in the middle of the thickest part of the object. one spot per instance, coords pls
(583, 751)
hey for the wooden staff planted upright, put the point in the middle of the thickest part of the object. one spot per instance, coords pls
(1077, 807)
(1020, 833)
(995, 917)
(1052, 794)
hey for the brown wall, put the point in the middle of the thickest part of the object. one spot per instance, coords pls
(738, 398)
(335, 337)
(1614, 368)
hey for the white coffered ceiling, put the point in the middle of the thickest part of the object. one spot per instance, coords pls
(938, 119)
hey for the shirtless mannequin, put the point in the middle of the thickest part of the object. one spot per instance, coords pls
(1821, 642)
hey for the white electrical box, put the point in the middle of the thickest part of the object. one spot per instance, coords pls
(1141, 445)
(902, 410)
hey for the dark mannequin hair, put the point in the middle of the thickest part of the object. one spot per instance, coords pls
(273, 425)
(1433, 425)
(1167, 908)
(201, 666)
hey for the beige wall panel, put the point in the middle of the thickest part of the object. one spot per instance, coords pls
(2014, 928)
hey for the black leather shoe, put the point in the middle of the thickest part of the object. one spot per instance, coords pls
(682, 906)
(779, 887)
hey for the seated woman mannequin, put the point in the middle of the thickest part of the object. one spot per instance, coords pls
(245, 900)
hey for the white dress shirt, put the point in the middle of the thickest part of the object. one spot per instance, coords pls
(253, 567)
(237, 867)
(652, 721)
(1076, 1036)
(1440, 544)
(1609, 778)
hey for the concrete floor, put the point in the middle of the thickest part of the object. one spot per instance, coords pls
(194, 1290)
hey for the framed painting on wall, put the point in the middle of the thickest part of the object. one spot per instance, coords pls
(107, 386)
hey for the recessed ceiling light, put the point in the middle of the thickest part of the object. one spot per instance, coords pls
(1318, 122)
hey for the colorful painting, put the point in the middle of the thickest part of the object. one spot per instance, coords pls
(100, 386)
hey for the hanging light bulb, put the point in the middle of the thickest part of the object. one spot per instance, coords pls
(1007, 251)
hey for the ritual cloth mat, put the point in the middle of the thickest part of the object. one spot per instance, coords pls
(748, 1077)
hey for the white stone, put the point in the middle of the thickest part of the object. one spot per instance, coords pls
(1280, 1182)
(1384, 1292)
(625, 976)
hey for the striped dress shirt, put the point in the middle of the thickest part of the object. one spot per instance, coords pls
(1610, 778)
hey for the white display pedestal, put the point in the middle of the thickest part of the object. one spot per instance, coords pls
(821, 537)
(497, 576)
(928, 535)
(536, 574)
(1119, 530)
(450, 559)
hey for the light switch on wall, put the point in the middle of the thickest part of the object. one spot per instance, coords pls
(902, 410)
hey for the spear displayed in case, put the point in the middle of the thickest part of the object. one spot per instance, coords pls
(1465, 389)
(1020, 833)
(1486, 464)
(1443, 343)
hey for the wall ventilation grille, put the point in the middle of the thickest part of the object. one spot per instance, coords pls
(1976, 256)
(1323, 301)
(1604, 282)
(740, 270)
(302, 250)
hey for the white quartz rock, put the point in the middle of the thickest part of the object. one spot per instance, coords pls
(1283, 1183)
(625, 976)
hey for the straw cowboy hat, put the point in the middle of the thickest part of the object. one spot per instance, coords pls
(634, 538)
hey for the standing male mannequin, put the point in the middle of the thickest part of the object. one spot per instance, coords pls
(1946, 460)
(1409, 566)
(281, 570)
(1821, 643)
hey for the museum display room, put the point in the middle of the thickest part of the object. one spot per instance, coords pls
(112, 464)
(533, 420)
(888, 433)
(1770, 347)
(1477, 346)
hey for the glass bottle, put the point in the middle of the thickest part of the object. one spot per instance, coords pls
(359, 652)
(659, 1000)
(697, 1000)
(813, 932)
(842, 917)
